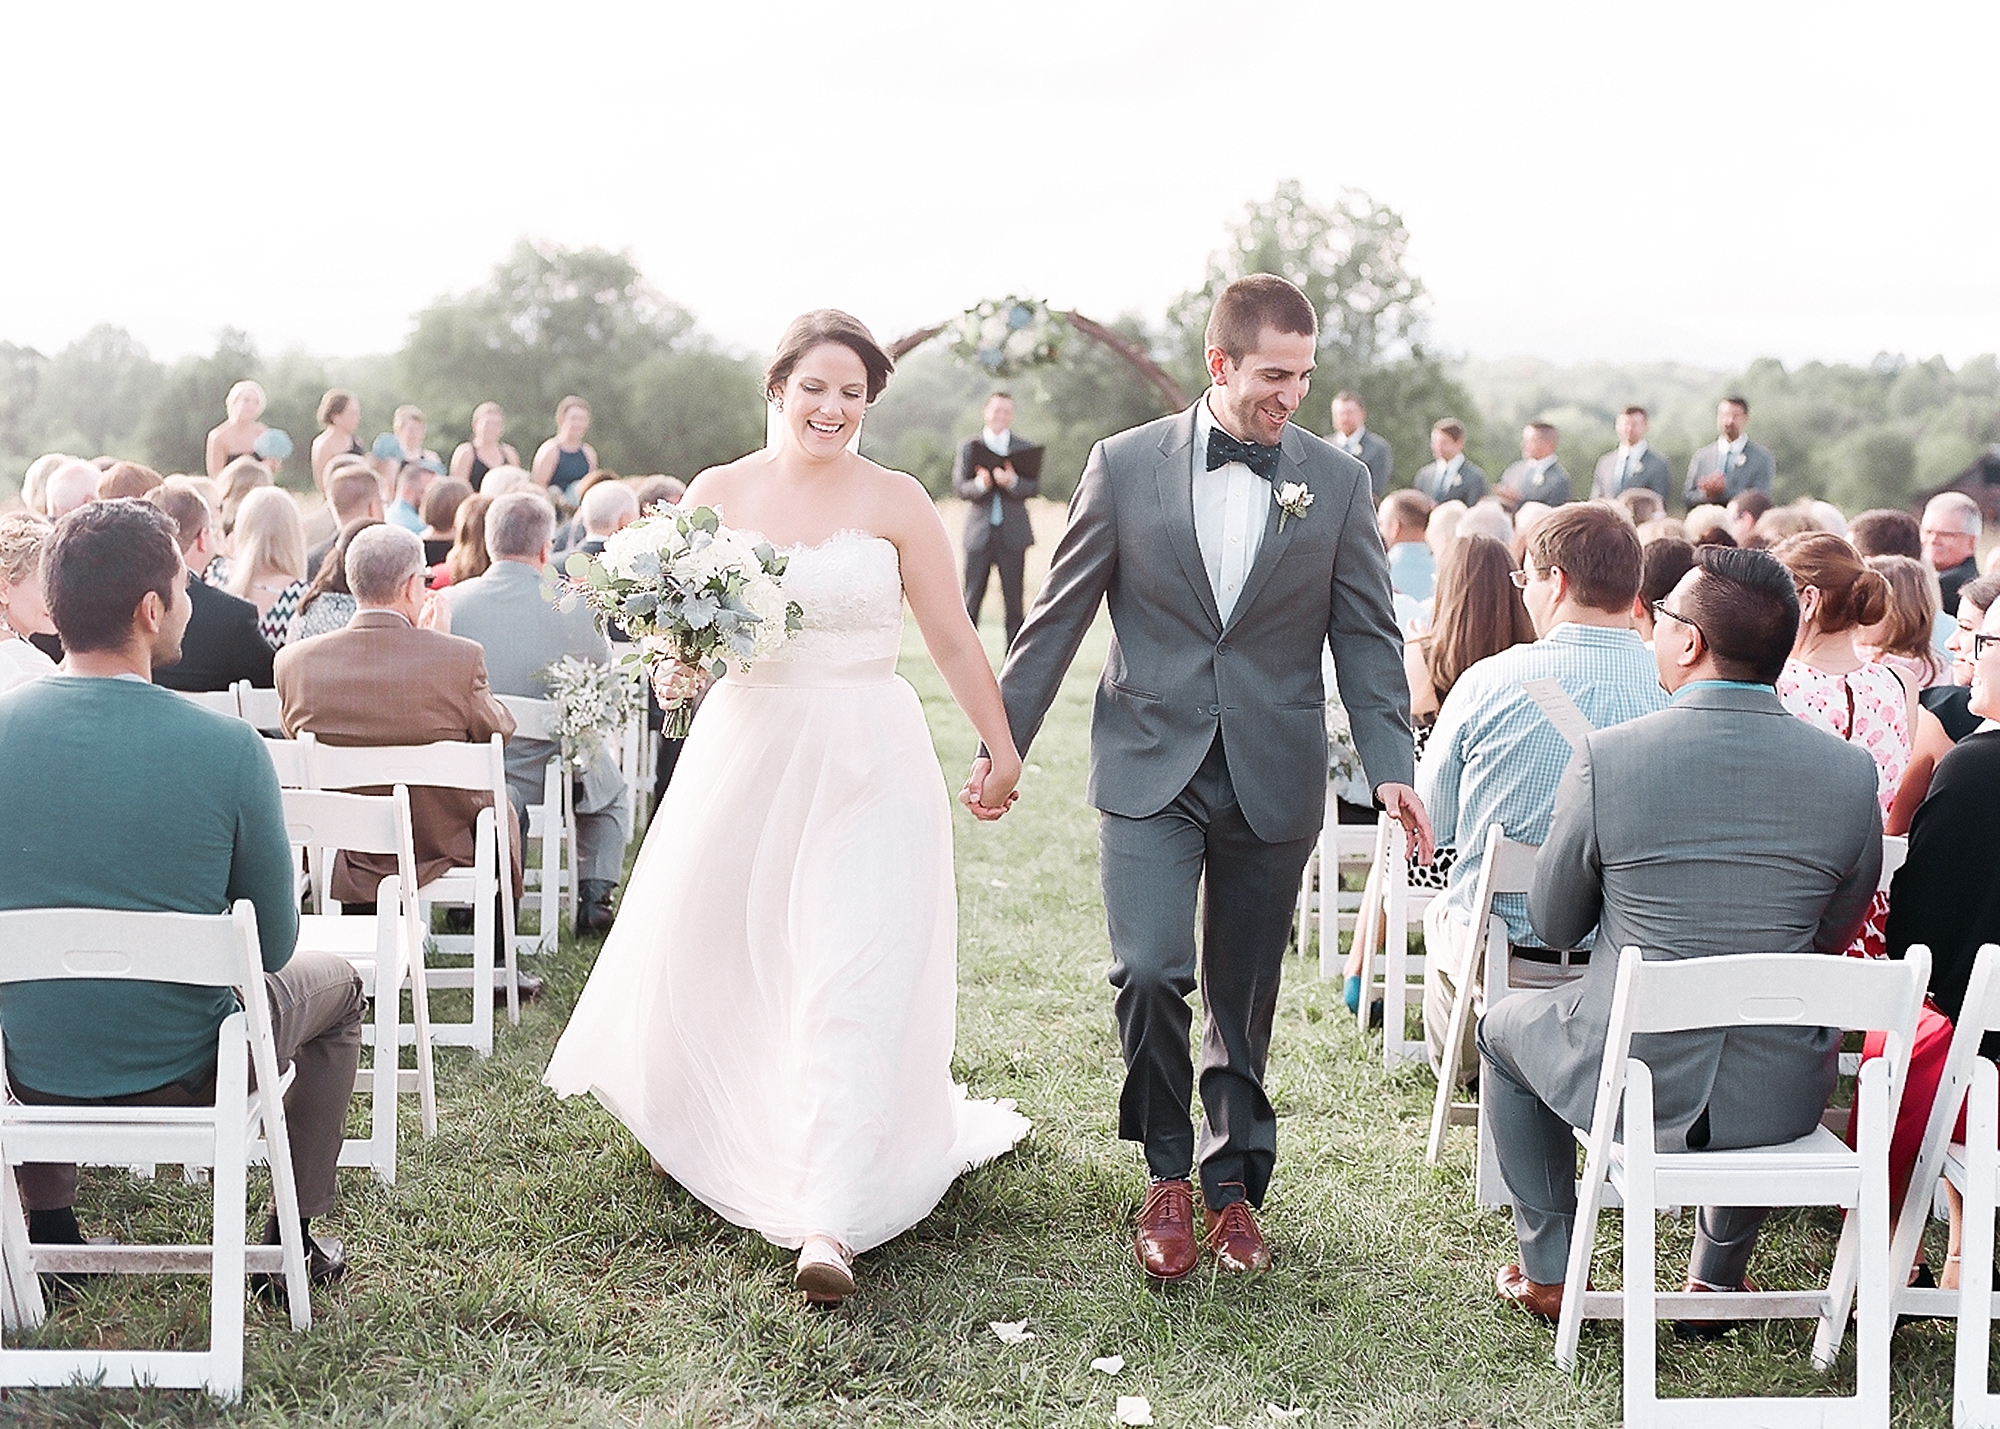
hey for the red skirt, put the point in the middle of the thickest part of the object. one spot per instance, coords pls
(1927, 1056)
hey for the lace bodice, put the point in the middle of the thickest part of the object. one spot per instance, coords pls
(850, 587)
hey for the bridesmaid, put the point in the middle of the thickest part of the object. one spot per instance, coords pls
(236, 437)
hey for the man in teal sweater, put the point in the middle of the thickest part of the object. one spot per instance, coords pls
(124, 795)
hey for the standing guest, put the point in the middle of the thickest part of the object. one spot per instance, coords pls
(1351, 435)
(468, 559)
(328, 604)
(408, 427)
(470, 461)
(1661, 566)
(164, 807)
(1404, 521)
(1733, 464)
(339, 418)
(1449, 476)
(1951, 543)
(1775, 825)
(522, 634)
(70, 485)
(222, 643)
(995, 473)
(23, 609)
(566, 458)
(413, 480)
(1497, 754)
(353, 494)
(1633, 466)
(1538, 475)
(268, 567)
(126, 478)
(237, 437)
(440, 513)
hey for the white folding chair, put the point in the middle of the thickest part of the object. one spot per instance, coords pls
(638, 748)
(1738, 991)
(1973, 1166)
(222, 702)
(289, 757)
(1382, 931)
(219, 950)
(1507, 867)
(387, 950)
(258, 707)
(1341, 848)
(551, 823)
(1895, 849)
(450, 765)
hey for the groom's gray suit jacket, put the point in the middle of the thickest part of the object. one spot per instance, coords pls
(1175, 672)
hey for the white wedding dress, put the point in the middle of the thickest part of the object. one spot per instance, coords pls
(773, 1012)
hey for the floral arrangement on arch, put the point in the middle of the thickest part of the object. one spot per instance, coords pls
(1009, 335)
(594, 702)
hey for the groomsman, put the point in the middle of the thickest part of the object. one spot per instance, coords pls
(1537, 476)
(1449, 476)
(1634, 464)
(1351, 435)
(1733, 464)
(996, 472)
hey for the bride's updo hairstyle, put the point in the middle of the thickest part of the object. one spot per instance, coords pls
(1849, 593)
(824, 325)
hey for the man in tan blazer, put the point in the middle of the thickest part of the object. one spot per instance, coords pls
(391, 678)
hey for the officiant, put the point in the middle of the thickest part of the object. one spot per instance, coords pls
(995, 473)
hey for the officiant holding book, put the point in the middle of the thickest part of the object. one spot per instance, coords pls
(996, 472)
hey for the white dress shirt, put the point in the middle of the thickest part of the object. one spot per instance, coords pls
(1630, 457)
(1352, 445)
(1231, 505)
(1727, 454)
(1447, 469)
(999, 442)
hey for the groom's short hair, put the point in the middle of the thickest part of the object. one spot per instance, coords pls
(1251, 304)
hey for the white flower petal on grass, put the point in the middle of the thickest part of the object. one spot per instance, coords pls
(1134, 1409)
(1278, 1411)
(1109, 1364)
(1010, 1332)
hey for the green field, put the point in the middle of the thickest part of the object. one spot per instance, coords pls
(528, 1270)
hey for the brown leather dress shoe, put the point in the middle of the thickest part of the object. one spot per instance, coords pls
(1236, 1239)
(1542, 1301)
(1165, 1242)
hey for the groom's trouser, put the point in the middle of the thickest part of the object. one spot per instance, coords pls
(1152, 869)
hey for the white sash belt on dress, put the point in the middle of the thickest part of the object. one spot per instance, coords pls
(816, 674)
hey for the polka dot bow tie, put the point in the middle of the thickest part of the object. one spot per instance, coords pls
(1223, 449)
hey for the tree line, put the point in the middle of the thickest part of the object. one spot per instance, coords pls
(666, 397)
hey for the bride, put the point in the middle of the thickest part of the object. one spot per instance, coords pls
(773, 1012)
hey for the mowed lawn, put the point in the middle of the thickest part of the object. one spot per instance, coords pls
(527, 1269)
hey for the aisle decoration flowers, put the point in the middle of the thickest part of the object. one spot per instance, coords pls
(594, 701)
(689, 592)
(1008, 335)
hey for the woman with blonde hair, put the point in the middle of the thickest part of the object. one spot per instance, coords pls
(339, 417)
(23, 611)
(267, 565)
(470, 461)
(237, 437)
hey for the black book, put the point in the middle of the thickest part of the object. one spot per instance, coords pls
(1026, 457)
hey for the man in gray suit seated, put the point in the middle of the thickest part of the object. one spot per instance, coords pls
(1351, 435)
(1538, 475)
(1732, 464)
(1722, 824)
(523, 633)
(1633, 466)
(1449, 476)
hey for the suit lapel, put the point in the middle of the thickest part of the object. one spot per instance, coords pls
(1175, 477)
(1275, 540)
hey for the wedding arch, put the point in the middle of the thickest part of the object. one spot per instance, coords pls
(1004, 336)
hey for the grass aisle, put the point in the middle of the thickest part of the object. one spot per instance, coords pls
(528, 1270)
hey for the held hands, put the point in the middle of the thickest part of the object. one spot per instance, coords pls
(1713, 485)
(1005, 476)
(677, 684)
(990, 792)
(1401, 803)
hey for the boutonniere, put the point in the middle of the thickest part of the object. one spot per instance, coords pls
(1294, 500)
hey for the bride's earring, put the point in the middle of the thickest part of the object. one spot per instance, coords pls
(779, 403)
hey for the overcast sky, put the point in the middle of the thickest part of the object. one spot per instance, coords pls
(1686, 181)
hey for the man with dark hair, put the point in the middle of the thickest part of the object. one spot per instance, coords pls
(1498, 749)
(1745, 510)
(1351, 435)
(1776, 824)
(222, 644)
(1662, 564)
(995, 473)
(1538, 475)
(1633, 465)
(164, 806)
(1232, 546)
(1883, 532)
(1449, 476)
(1733, 463)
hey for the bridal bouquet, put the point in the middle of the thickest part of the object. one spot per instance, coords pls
(688, 591)
(594, 702)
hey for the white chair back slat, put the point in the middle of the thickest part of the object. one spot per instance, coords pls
(1771, 990)
(1895, 850)
(257, 706)
(290, 758)
(222, 702)
(447, 764)
(533, 719)
(196, 949)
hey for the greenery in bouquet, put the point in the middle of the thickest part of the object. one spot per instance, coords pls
(594, 702)
(689, 591)
(1008, 335)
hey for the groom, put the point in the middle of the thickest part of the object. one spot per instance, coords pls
(1232, 546)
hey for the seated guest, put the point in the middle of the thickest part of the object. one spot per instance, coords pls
(24, 609)
(354, 495)
(440, 512)
(1904, 636)
(1449, 476)
(467, 557)
(1744, 510)
(35, 480)
(164, 806)
(1663, 528)
(327, 603)
(1951, 702)
(1883, 532)
(1776, 824)
(1487, 518)
(413, 480)
(656, 490)
(70, 485)
(1442, 529)
(223, 643)
(1496, 755)
(1662, 564)
(1781, 523)
(1642, 505)
(1403, 520)
(393, 676)
(268, 560)
(126, 478)
(1950, 534)
(233, 488)
(606, 509)
(523, 633)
